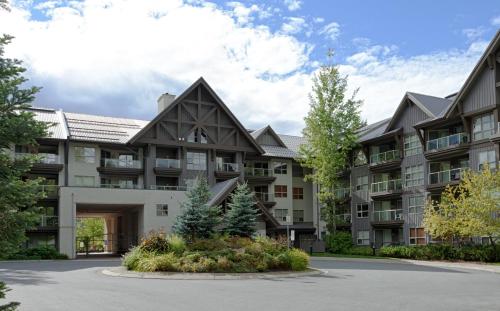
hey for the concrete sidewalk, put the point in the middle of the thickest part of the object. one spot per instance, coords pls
(459, 265)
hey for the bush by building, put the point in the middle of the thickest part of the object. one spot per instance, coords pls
(38, 253)
(484, 253)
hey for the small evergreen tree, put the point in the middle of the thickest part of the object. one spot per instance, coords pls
(198, 219)
(241, 217)
(11, 306)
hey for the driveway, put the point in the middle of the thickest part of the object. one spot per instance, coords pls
(349, 284)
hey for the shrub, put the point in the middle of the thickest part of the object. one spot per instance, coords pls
(298, 259)
(485, 253)
(208, 245)
(131, 258)
(37, 253)
(176, 244)
(361, 251)
(339, 243)
(155, 241)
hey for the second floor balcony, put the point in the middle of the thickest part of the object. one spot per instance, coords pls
(386, 188)
(342, 194)
(168, 167)
(266, 198)
(227, 170)
(385, 160)
(117, 166)
(47, 162)
(343, 220)
(168, 188)
(444, 147)
(120, 185)
(387, 218)
(255, 174)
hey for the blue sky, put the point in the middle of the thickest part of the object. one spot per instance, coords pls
(115, 57)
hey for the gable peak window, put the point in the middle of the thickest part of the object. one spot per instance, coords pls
(198, 136)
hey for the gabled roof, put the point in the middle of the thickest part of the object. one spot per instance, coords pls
(221, 190)
(267, 129)
(181, 97)
(58, 130)
(373, 130)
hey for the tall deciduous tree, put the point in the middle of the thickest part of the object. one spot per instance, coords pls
(242, 215)
(331, 126)
(470, 209)
(17, 127)
(198, 219)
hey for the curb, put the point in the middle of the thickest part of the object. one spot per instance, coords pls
(123, 272)
(455, 265)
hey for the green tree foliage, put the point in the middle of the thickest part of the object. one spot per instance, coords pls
(17, 127)
(331, 133)
(198, 219)
(11, 306)
(90, 231)
(470, 209)
(242, 215)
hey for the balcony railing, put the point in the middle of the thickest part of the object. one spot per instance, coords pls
(447, 141)
(258, 172)
(342, 193)
(387, 185)
(48, 221)
(168, 163)
(43, 158)
(227, 167)
(344, 218)
(388, 215)
(264, 196)
(120, 186)
(119, 163)
(447, 176)
(387, 156)
(50, 190)
(168, 188)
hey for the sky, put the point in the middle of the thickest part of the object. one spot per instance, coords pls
(116, 57)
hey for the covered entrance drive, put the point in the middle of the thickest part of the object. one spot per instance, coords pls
(106, 228)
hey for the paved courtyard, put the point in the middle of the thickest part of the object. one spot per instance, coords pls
(350, 284)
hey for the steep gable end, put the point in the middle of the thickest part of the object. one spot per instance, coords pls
(409, 111)
(267, 136)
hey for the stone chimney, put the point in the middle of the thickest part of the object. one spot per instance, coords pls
(164, 101)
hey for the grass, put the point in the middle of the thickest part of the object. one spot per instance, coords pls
(347, 256)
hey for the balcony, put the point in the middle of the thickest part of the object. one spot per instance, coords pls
(46, 223)
(496, 136)
(343, 220)
(387, 188)
(266, 198)
(387, 218)
(120, 167)
(385, 161)
(51, 191)
(120, 186)
(259, 175)
(168, 188)
(227, 170)
(168, 167)
(438, 180)
(342, 194)
(47, 162)
(448, 146)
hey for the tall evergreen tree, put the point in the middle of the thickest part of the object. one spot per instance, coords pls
(242, 215)
(17, 127)
(198, 219)
(331, 126)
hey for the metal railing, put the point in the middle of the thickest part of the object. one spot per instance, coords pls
(43, 158)
(265, 196)
(168, 188)
(446, 176)
(344, 218)
(388, 215)
(227, 167)
(447, 141)
(168, 163)
(120, 186)
(50, 190)
(48, 221)
(258, 172)
(382, 157)
(342, 193)
(119, 163)
(387, 185)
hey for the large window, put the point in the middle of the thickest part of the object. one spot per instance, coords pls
(360, 158)
(196, 161)
(280, 214)
(483, 126)
(487, 157)
(298, 193)
(412, 145)
(362, 210)
(280, 168)
(417, 236)
(84, 155)
(363, 237)
(298, 215)
(280, 191)
(416, 204)
(414, 175)
(85, 181)
(362, 183)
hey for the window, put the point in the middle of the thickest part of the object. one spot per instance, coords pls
(414, 175)
(196, 161)
(362, 183)
(417, 236)
(362, 210)
(483, 126)
(360, 158)
(197, 136)
(161, 209)
(280, 191)
(297, 171)
(85, 155)
(298, 193)
(412, 145)
(85, 181)
(280, 214)
(487, 157)
(363, 237)
(280, 168)
(298, 216)
(416, 204)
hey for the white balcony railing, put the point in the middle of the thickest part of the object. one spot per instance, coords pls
(265, 196)
(227, 167)
(168, 163)
(120, 163)
(258, 172)
(120, 186)
(48, 221)
(447, 141)
(387, 185)
(43, 158)
(388, 215)
(446, 176)
(168, 188)
(382, 157)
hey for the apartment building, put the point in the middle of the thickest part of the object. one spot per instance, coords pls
(135, 173)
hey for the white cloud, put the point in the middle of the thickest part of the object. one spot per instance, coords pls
(293, 25)
(331, 31)
(293, 5)
(495, 21)
(474, 34)
(318, 20)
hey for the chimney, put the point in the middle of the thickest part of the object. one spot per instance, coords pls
(164, 101)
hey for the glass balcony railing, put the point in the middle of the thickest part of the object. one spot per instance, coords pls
(168, 188)
(265, 196)
(447, 141)
(120, 186)
(344, 218)
(119, 163)
(50, 190)
(227, 167)
(447, 176)
(387, 156)
(48, 221)
(43, 158)
(168, 163)
(388, 215)
(258, 172)
(342, 193)
(387, 185)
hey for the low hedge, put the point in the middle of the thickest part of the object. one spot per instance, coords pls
(220, 254)
(484, 253)
(37, 253)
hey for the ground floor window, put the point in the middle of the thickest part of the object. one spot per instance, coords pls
(161, 209)
(417, 236)
(281, 214)
(298, 215)
(363, 237)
